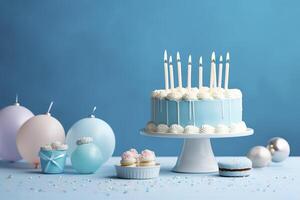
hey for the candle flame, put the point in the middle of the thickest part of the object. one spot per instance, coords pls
(227, 57)
(200, 61)
(178, 56)
(170, 60)
(221, 58)
(213, 57)
(190, 59)
(165, 56)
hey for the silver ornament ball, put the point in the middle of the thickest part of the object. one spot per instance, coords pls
(279, 149)
(260, 156)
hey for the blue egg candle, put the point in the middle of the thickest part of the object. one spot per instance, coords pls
(87, 157)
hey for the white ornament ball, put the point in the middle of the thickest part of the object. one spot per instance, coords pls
(279, 149)
(260, 156)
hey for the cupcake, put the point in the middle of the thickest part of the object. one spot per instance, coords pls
(53, 157)
(134, 153)
(135, 166)
(147, 158)
(128, 159)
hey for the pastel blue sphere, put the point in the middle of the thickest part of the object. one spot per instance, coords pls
(102, 134)
(86, 158)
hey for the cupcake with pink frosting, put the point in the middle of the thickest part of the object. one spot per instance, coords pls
(134, 153)
(128, 159)
(138, 166)
(147, 158)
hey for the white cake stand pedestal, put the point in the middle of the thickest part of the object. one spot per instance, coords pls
(196, 154)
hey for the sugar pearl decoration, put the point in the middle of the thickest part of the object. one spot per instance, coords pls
(260, 156)
(279, 149)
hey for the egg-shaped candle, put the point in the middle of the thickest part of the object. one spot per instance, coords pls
(102, 134)
(37, 132)
(87, 157)
(11, 119)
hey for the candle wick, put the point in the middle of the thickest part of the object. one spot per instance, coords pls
(50, 106)
(94, 109)
(17, 100)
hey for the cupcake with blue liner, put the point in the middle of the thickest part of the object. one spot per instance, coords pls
(53, 158)
(138, 166)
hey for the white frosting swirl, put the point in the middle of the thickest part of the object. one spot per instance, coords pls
(176, 128)
(190, 95)
(190, 129)
(194, 93)
(242, 126)
(234, 127)
(222, 129)
(155, 94)
(233, 94)
(84, 140)
(162, 128)
(46, 147)
(57, 145)
(62, 147)
(208, 129)
(151, 127)
(181, 90)
(160, 94)
(174, 95)
(204, 95)
(218, 93)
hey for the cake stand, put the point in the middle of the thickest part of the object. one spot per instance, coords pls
(196, 154)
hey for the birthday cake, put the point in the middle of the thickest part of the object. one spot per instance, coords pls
(196, 110)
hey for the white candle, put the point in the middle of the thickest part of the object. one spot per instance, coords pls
(200, 73)
(166, 70)
(179, 70)
(220, 72)
(212, 70)
(189, 78)
(226, 72)
(171, 73)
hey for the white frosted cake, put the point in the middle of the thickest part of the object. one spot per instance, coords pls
(197, 110)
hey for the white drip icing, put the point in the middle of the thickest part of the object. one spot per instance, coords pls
(222, 109)
(194, 117)
(160, 105)
(229, 111)
(190, 110)
(167, 111)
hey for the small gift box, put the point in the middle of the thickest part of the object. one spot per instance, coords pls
(53, 159)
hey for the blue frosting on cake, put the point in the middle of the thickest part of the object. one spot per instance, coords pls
(197, 112)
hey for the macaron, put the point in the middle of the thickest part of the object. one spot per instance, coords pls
(235, 167)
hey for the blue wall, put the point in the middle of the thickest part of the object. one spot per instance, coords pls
(109, 54)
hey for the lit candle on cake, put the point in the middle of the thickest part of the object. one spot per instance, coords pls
(200, 73)
(212, 70)
(220, 72)
(179, 71)
(171, 73)
(226, 72)
(166, 70)
(189, 78)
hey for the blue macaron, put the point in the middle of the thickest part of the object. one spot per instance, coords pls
(235, 167)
